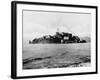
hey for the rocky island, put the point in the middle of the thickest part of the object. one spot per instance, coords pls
(58, 38)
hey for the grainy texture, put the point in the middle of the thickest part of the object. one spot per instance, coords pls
(57, 56)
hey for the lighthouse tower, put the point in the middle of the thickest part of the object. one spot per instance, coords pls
(58, 30)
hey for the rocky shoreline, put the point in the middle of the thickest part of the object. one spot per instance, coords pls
(57, 61)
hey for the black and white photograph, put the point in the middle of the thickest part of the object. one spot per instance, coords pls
(56, 39)
(53, 39)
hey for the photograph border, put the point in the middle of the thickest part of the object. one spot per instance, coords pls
(14, 38)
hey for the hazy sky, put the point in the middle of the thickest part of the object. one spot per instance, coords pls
(37, 23)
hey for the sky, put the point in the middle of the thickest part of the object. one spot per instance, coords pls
(39, 23)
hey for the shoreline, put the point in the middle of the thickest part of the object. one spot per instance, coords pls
(57, 61)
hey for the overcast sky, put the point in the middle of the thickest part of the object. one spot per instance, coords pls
(37, 23)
